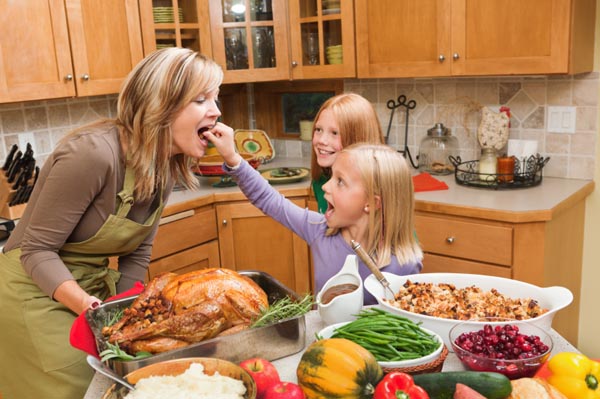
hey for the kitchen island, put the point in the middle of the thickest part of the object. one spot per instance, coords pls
(287, 366)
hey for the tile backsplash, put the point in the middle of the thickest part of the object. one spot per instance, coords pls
(456, 102)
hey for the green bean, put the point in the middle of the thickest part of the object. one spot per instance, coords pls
(388, 336)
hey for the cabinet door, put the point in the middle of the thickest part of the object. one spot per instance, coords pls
(35, 59)
(161, 27)
(250, 240)
(322, 39)
(196, 258)
(403, 38)
(106, 43)
(510, 36)
(250, 39)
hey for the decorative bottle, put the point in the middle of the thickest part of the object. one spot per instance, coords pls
(487, 164)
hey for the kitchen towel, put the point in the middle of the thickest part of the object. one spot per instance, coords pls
(425, 182)
(81, 335)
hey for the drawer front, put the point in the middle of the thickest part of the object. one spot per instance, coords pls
(200, 257)
(484, 242)
(444, 264)
(184, 230)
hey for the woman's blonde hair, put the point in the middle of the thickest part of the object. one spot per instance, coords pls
(389, 188)
(152, 96)
(357, 121)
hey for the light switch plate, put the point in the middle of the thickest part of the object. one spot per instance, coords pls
(561, 119)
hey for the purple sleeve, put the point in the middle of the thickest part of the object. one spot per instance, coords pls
(301, 221)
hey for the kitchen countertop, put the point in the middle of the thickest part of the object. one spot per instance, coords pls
(287, 366)
(540, 203)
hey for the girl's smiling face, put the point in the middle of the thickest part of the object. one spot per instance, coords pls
(197, 117)
(346, 195)
(327, 141)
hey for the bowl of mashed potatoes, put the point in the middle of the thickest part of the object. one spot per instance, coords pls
(187, 377)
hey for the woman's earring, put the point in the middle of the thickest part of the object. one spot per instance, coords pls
(366, 208)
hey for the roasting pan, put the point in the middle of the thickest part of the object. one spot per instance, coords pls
(270, 342)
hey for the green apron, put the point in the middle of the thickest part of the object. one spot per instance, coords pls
(35, 344)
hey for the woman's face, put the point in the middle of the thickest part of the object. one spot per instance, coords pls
(327, 141)
(346, 194)
(197, 117)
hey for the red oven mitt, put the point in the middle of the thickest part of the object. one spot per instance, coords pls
(425, 182)
(82, 337)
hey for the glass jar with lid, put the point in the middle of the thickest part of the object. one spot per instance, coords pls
(435, 150)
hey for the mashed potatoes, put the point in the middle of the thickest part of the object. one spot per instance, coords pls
(192, 384)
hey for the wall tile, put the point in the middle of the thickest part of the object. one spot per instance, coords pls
(13, 121)
(36, 118)
(559, 93)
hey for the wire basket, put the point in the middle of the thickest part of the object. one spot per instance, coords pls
(527, 173)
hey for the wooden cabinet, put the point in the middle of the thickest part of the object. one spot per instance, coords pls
(250, 240)
(258, 41)
(186, 241)
(62, 48)
(535, 248)
(185, 28)
(473, 37)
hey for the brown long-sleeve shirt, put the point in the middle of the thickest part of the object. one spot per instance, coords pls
(75, 193)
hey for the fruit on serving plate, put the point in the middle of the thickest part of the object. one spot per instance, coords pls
(262, 372)
(338, 368)
(284, 390)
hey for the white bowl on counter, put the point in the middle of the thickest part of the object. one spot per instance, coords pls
(551, 298)
(328, 331)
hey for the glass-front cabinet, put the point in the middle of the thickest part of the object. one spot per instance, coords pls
(258, 40)
(249, 39)
(175, 23)
(322, 38)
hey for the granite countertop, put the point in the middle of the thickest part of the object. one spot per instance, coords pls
(287, 366)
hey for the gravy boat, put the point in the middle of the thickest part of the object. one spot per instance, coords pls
(345, 306)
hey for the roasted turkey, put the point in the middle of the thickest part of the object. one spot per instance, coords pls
(174, 310)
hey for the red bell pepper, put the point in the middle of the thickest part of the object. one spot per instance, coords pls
(397, 385)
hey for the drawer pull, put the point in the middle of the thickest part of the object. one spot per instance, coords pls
(224, 222)
(450, 240)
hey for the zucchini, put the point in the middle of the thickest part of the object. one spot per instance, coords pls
(442, 385)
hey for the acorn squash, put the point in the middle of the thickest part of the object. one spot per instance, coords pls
(338, 368)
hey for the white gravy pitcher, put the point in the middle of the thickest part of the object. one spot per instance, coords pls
(345, 303)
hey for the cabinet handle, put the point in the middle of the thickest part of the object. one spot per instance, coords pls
(68, 77)
(224, 222)
(455, 56)
(442, 58)
(450, 240)
(85, 76)
(294, 64)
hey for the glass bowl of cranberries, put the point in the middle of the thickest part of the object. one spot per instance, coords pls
(500, 345)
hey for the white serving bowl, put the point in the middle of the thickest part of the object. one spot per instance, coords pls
(328, 331)
(551, 298)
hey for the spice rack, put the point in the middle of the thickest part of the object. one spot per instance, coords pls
(527, 173)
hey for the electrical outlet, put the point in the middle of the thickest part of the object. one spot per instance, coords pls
(561, 119)
(25, 138)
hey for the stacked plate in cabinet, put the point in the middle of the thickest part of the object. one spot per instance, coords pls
(164, 15)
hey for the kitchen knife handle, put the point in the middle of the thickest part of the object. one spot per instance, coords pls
(9, 157)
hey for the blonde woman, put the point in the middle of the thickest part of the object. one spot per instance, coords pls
(369, 200)
(99, 195)
(342, 120)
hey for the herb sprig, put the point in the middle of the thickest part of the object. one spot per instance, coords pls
(283, 309)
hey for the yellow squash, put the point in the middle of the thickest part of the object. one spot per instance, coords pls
(338, 368)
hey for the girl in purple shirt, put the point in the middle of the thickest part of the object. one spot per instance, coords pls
(370, 200)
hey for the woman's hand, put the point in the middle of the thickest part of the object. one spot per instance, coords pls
(221, 136)
(74, 297)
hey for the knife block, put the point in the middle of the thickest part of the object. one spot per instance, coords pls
(6, 194)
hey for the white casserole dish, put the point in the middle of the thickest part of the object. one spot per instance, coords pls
(551, 298)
